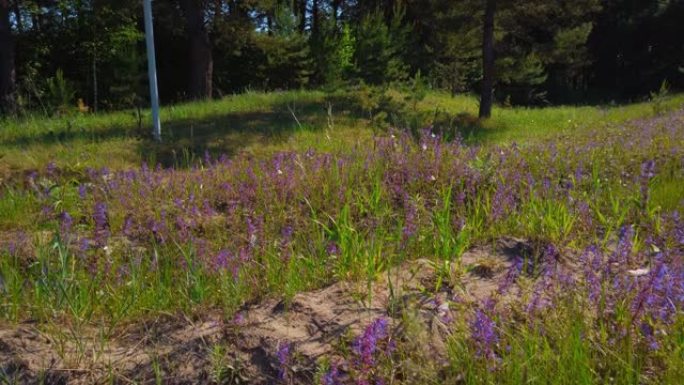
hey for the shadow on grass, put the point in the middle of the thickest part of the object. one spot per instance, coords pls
(186, 140)
(65, 131)
(467, 127)
(184, 143)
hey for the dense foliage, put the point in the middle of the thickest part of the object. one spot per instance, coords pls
(554, 51)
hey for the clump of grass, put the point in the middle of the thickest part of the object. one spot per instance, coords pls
(601, 325)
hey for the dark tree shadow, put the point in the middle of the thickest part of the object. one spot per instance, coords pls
(186, 140)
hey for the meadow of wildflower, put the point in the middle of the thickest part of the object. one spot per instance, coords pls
(115, 272)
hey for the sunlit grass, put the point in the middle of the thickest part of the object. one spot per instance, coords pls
(262, 123)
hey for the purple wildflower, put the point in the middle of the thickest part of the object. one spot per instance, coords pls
(648, 333)
(511, 276)
(579, 171)
(66, 222)
(648, 169)
(410, 225)
(647, 173)
(16, 243)
(592, 259)
(221, 260)
(332, 376)
(82, 191)
(253, 231)
(366, 345)
(484, 335)
(239, 319)
(662, 295)
(244, 254)
(284, 356)
(127, 229)
(46, 211)
(621, 256)
(207, 158)
(538, 301)
(83, 245)
(551, 253)
(101, 219)
(182, 229)
(285, 242)
(442, 311)
(332, 249)
(51, 169)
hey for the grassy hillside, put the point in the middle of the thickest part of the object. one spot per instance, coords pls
(266, 123)
(546, 245)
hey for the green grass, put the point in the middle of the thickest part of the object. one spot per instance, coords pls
(523, 124)
(351, 206)
(261, 123)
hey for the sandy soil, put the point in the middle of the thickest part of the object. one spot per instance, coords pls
(207, 348)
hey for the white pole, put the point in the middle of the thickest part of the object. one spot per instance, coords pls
(152, 70)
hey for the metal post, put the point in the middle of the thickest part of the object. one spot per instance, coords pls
(152, 70)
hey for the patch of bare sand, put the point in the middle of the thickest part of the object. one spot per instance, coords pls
(181, 350)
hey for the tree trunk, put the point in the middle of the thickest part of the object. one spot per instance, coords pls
(300, 11)
(335, 10)
(94, 82)
(269, 23)
(200, 53)
(218, 9)
(7, 70)
(315, 18)
(17, 16)
(487, 60)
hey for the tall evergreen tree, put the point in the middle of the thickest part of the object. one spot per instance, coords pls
(379, 48)
(636, 45)
(200, 49)
(7, 65)
(544, 51)
(486, 94)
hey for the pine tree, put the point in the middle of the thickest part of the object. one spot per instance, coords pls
(487, 60)
(200, 52)
(287, 61)
(7, 65)
(379, 46)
